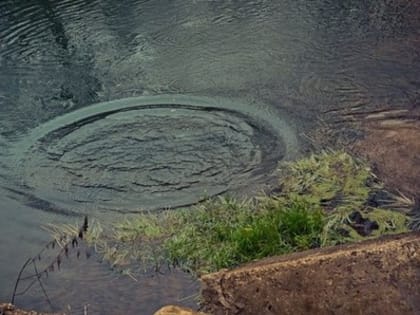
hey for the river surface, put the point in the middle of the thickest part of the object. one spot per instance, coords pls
(108, 108)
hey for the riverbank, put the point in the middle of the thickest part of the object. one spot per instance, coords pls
(372, 277)
(324, 199)
(379, 276)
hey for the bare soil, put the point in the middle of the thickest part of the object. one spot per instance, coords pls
(387, 138)
(392, 143)
(373, 277)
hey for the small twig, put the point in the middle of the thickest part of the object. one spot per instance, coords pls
(128, 273)
(18, 279)
(27, 288)
(40, 283)
(28, 277)
(188, 297)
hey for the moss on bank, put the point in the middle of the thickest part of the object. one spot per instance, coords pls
(323, 200)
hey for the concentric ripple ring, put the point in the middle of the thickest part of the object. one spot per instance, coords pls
(151, 152)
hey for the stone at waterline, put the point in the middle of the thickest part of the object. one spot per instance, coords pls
(10, 309)
(177, 310)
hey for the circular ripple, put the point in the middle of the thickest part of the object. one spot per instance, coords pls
(149, 153)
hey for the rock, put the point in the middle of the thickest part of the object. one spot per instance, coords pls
(10, 309)
(177, 310)
(363, 226)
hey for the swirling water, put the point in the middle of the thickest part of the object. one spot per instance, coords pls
(111, 107)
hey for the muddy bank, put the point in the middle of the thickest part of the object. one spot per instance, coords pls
(391, 143)
(373, 277)
(386, 137)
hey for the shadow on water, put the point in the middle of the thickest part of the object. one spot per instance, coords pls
(108, 107)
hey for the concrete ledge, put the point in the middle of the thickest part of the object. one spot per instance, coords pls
(372, 277)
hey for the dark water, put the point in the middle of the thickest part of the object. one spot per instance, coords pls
(111, 107)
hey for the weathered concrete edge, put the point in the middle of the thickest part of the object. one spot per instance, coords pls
(375, 276)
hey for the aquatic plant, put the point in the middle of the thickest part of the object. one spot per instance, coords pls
(330, 178)
(342, 184)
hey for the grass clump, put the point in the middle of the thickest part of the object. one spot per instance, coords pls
(219, 233)
(315, 208)
(229, 232)
(332, 179)
(389, 222)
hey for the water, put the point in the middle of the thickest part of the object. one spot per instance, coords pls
(112, 107)
(150, 152)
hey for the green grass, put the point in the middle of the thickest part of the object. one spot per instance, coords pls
(317, 196)
(224, 233)
(219, 233)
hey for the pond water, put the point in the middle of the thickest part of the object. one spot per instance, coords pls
(108, 108)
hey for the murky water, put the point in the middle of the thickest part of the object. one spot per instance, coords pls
(150, 153)
(111, 107)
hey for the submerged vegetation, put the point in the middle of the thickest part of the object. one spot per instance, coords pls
(325, 199)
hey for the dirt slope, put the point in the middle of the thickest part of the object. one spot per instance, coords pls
(373, 277)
